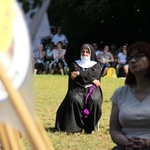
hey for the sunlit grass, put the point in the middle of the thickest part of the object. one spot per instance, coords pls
(49, 93)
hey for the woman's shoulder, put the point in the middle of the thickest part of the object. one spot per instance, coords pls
(118, 94)
(64, 50)
(121, 89)
(74, 63)
(120, 53)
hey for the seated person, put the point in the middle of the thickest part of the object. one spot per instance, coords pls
(126, 69)
(97, 50)
(130, 114)
(105, 59)
(122, 61)
(48, 56)
(39, 65)
(81, 107)
(114, 52)
(59, 59)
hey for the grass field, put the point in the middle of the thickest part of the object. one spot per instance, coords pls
(49, 93)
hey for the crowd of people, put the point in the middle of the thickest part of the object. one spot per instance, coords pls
(50, 57)
(112, 57)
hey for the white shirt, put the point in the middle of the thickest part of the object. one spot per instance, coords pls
(122, 57)
(97, 52)
(134, 116)
(56, 38)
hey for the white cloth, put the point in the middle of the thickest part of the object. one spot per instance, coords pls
(39, 22)
(85, 65)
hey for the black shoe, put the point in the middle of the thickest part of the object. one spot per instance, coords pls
(87, 130)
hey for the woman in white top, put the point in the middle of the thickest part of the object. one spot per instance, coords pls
(130, 115)
(122, 61)
(59, 59)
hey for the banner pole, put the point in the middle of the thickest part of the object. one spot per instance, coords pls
(3, 138)
(13, 137)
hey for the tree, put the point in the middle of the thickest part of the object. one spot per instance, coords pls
(95, 16)
(110, 21)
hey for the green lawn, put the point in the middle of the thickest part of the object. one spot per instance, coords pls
(49, 93)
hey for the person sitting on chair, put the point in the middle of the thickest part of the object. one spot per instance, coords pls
(105, 59)
(122, 61)
(59, 59)
(81, 107)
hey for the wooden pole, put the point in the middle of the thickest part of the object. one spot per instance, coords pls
(13, 138)
(28, 121)
(3, 138)
(43, 133)
(9, 138)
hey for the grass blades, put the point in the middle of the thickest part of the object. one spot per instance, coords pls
(49, 91)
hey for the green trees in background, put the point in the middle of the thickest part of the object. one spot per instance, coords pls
(110, 21)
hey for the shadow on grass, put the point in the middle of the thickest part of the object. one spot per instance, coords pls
(50, 129)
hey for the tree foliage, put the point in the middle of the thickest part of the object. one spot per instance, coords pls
(87, 18)
(110, 21)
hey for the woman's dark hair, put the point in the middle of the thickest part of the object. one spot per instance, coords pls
(140, 47)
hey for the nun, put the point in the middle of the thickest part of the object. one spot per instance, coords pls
(81, 108)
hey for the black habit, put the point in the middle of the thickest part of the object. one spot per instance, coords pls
(69, 116)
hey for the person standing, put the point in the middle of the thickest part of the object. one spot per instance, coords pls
(130, 114)
(81, 107)
(60, 37)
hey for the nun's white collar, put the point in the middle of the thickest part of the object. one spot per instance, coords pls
(85, 65)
